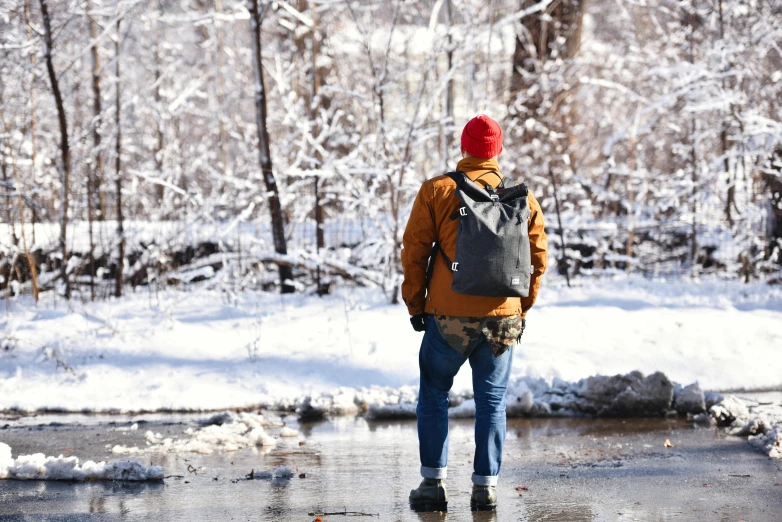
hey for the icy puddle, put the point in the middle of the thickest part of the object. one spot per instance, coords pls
(564, 470)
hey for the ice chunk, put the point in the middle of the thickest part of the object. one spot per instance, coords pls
(619, 395)
(712, 398)
(282, 472)
(40, 467)
(341, 402)
(288, 432)
(402, 410)
(689, 399)
(223, 432)
(728, 411)
(770, 442)
(755, 426)
(6, 461)
(518, 399)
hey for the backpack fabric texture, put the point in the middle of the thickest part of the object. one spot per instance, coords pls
(492, 243)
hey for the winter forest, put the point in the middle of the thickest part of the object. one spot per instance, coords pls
(280, 144)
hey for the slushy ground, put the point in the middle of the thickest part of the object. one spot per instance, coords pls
(573, 469)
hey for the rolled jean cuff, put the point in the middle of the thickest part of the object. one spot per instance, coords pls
(480, 480)
(434, 473)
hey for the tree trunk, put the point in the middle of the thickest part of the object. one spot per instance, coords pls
(118, 168)
(158, 154)
(772, 178)
(220, 89)
(317, 83)
(694, 160)
(730, 202)
(95, 172)
(33, 141)
(448, 135)
(264, 153)
(65, 167)
(563, 261)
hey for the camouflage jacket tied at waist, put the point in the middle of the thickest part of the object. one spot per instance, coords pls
(464, 333)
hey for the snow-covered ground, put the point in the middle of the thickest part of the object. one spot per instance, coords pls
(205, 349)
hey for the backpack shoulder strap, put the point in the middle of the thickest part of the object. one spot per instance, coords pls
(430, 266)
(457, 176)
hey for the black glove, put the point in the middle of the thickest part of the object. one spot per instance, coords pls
(418, 322)
(523, 326)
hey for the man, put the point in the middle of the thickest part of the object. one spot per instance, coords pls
(460, 328)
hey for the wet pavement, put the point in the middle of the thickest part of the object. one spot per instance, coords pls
(574, 470)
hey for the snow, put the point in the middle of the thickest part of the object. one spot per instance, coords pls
(352, 353)
(226, 431)
(40, 467)
(769, 442)
(759, 421)
(288, 432)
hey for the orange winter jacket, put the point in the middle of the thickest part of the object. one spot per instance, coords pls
(430, 222)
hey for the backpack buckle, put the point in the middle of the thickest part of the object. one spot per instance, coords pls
(494, 197)
(455, 266)
(462, 211)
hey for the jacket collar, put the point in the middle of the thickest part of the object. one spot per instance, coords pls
(475, 167)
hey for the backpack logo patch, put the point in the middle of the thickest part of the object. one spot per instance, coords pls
(515, 281)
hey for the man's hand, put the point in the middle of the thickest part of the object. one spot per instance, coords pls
(523, 326)
(418, 322)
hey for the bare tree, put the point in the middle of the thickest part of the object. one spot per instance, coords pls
(33, 138)
(65, 167)
(95, 172)
(118, 163)
(264, 152)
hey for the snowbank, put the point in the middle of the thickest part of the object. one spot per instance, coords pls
(226, 431)
(631, 394)
(760, 422)
(41, 467)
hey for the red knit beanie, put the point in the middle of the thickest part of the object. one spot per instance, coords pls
(482, 137)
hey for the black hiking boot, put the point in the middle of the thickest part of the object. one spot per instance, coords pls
(484, 498)
(429, 496)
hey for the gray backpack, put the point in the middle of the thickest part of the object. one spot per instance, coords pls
(492, 244)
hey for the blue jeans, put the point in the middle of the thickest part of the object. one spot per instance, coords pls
(439, 364)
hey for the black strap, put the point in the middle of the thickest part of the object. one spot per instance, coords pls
(458, 176)
(430, 267)
(502, 178)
